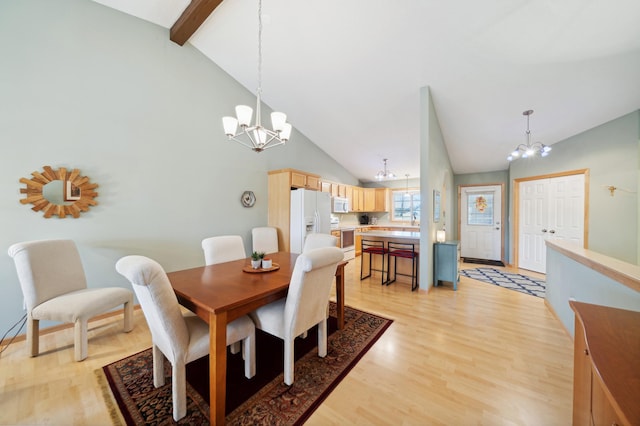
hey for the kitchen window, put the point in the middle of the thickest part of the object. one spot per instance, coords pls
(406, 206)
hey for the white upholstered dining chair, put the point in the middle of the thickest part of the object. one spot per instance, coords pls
(316, 240)
(223, 248)
(265, 239)
(305, 306)
(182, 338)
(54, 286)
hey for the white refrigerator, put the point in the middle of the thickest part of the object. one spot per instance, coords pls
(310, 212)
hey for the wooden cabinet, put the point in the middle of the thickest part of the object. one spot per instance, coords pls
(358, 199)
(381, 198)
(279, 199)
(369, 199)
(606, 362)
(304, 180)
(336, 233)
(325, 186)
(358, 244)
(446, 260)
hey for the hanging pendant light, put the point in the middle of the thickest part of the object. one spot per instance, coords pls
(406, 193)
(529, 149)
(385, 174)
(257, 137)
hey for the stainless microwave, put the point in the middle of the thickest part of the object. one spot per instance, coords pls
(339, 205)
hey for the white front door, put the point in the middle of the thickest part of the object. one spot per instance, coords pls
(481, 222)
(549, 209)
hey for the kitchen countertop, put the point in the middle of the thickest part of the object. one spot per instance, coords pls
(391, 234)
(357, 226)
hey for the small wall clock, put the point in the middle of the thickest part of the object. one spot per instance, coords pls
(248, 198)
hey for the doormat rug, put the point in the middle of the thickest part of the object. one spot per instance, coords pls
(264, 399)
(518, 282)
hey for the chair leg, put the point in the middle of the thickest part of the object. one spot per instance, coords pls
(33, 335)
(322, 338)
(179, 390)
(158, 367)
(128, 316)
(288, 362)
(235, 347)
(249, 355)
(80, 339)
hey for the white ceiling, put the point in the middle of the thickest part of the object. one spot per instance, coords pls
(348, 73)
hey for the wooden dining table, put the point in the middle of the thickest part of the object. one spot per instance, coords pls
(223, 292)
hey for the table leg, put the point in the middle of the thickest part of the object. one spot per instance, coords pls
(217, 367)
(340, 295)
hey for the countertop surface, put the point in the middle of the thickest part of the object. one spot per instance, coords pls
(359, 227)
(391, 234)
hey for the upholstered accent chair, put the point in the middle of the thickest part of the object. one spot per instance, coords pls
(265, 239)
(317, 240)
(305, 306)
(54, 286)
(181, 337)
(223, 248)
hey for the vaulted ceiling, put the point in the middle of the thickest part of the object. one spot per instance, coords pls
(348, 73)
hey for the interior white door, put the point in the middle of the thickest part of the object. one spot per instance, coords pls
(533, 220)
(549, 209)
(481, 222)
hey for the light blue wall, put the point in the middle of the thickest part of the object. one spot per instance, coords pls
(84, 86)
(610, 152)
(436, 174)
(494, 178)
(568, 279)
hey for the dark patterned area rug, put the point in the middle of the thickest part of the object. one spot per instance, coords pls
(264, 399)
(518, 282)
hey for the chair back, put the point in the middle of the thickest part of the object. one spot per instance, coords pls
(47, 269)
(223, 248)
(265, 239)
(309, 289)
(159, 304)
(317, 240)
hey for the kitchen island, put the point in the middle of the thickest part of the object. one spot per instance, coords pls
(404, 265)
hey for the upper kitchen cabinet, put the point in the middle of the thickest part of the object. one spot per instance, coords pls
(357, 199)
(302, 179)
(325, 186)
(375, 200)
(381, 199)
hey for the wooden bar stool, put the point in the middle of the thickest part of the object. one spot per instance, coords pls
(373, 248)
(406, 251)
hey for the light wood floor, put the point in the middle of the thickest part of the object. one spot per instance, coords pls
(481, 355)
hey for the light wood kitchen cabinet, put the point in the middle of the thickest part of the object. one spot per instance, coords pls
(336, 233)
(304, 180)
(606, 377)
(325, 186)
(280, 183)
(348, 189)
(369, 199)
(358, 199)
(381, 198)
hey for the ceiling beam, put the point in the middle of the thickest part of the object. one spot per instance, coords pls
(191, 19)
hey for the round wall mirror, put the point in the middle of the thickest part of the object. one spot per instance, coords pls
(58, 192)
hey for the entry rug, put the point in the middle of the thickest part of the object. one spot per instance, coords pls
(518, 282)
(264, 399)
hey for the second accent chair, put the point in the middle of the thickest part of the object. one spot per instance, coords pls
(265, 239)
(55, 289)
(223, 248)
(305, 306)
(317, 240)
(182, 338)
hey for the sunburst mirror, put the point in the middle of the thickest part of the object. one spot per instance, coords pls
(59, 192)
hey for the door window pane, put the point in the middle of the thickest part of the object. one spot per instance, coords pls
(480, 209)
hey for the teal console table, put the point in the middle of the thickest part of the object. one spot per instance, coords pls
(446, 261)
